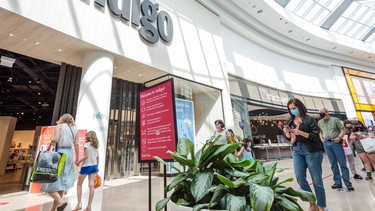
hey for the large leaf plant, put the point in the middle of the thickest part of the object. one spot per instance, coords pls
(213, 178)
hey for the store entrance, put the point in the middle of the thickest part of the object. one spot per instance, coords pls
(27, 95)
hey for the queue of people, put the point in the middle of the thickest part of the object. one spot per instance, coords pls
(310, 138)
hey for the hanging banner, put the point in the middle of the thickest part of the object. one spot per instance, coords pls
(157, 125)
(185, 119)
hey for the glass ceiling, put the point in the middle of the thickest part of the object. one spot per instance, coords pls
(355, 19)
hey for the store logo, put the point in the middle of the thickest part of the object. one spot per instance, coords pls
(153, 24)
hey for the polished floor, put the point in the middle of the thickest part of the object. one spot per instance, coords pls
(132, 194)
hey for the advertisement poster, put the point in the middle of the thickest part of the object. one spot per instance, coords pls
(45, 139)
(185, 119)
(157, 126)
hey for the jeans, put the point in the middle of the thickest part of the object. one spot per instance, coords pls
(304, 159)
(336, 154)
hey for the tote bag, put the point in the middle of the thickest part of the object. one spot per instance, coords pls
(368, 144)
(48, 167)
(345, 145)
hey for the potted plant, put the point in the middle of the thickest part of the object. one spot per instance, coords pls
(213, 178)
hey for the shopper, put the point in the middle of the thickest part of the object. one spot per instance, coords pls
(351, 137)
(332, 132)
(368, 159)
(224, 135)
(303, 132)
(246, 150)
(89, 168)
(64, 138)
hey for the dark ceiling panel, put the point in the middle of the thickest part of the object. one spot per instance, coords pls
(28, 90)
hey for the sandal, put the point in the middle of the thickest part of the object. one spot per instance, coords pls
(78, 207)
(62, 207)
(87, 209)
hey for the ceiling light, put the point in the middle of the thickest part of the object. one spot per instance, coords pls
(11, 35)
(260, 11)
(37, 43)
(290, 31)
(334, 48)
(140, 75)
(308, 39)
(59, 50)
(7, 61)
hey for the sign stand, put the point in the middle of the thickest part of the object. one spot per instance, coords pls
(149, 186)
(157, 126)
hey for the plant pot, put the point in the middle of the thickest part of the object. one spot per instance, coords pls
(175, 207)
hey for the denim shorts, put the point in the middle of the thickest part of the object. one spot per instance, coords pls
(86, 170)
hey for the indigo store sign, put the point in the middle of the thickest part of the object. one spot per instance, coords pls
(153, 24)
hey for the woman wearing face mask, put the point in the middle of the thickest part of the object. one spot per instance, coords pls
(350, 158)
(225, 136)
(303, 132)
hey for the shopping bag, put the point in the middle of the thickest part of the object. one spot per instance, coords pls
(345, 145)
(368, 144)
(48, 167)
(98, 181)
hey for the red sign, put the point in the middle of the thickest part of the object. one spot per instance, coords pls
(157, 129)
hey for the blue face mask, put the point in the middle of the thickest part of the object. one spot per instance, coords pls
(218, 127)
(295, 112)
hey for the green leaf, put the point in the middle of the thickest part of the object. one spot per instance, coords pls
(225, 181)
(258, 178)
(165, 163)
(287, 204)
(162, 203)
(285, 181)
(182, 160)
(261, 197)
(185, 148)
(219, 192)
(304, 195)
(198, 158)
(201, 184)
(176, 181)
(236, 173)
(237, 203)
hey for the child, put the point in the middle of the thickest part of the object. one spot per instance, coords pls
(89, 167)
(246, 150)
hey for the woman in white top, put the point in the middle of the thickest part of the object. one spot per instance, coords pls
(89, 167)
(225, 136)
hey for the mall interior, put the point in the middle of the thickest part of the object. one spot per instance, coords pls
(235, 60)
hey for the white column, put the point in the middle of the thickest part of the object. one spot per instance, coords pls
(94, 99)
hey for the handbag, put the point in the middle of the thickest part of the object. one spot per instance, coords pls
(48, 166)
(368, 144)
(345, 145)
(98, 181)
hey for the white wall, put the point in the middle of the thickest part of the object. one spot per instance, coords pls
(258, 64)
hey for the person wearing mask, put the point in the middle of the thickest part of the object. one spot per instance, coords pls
(225, 136)
(303, 132)
(368, 159)
(332, 132)
(349, 127)
(64, 139)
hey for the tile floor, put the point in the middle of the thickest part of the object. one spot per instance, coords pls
(132, 194)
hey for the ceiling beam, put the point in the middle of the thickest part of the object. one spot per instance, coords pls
(336, 14)
(368, 34)
(282, 3)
